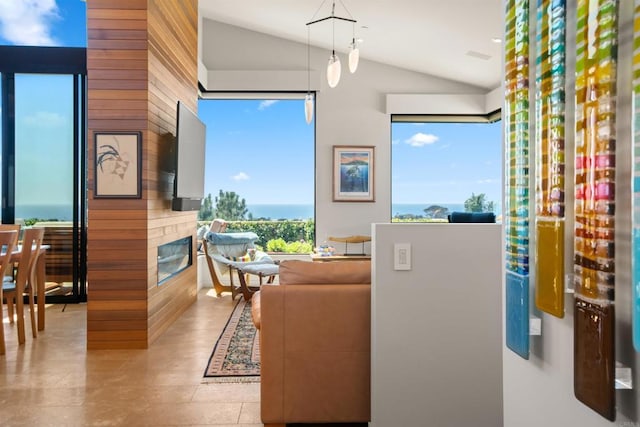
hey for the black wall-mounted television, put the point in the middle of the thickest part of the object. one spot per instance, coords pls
(188, 185)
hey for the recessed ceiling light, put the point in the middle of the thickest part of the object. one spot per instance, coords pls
(496, 39)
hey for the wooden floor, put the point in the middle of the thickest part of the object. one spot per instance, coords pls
(54, 381)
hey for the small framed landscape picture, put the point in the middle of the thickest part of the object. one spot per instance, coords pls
(353, 173)
(118, 165)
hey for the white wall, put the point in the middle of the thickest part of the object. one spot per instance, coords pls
(353, 113)
(539, 391)
(436, 340)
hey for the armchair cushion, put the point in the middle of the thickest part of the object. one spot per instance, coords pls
(231, 245)
(231, 238)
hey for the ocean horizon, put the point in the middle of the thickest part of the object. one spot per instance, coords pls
(306, 211)
(290, 211)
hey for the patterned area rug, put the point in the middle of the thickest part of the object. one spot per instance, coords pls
(236, 355)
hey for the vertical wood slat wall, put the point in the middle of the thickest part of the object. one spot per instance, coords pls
(141, 59)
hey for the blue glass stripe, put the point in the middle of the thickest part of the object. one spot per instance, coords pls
(517, 313)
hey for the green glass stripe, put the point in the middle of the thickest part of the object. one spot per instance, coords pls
(546, 75)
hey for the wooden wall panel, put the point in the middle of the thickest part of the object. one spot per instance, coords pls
(117, 82)
(173, 44)
(141, 59)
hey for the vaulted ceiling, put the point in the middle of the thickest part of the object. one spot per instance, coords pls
(454, 39)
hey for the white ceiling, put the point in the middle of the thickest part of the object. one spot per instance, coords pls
(444, 38)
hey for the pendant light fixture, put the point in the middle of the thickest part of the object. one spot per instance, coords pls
(354, 53)
(334, 68)
(308, 100)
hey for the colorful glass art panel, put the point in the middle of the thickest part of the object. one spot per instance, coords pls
(517, 316)
(516, 210)
(594, 385)
(595, 144)
(550, 159)
(635, 283)
(550, 266)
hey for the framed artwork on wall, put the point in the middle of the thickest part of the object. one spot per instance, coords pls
(118, 165)
(353, 173)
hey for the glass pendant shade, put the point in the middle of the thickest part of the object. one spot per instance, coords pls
(333, 70)
(354, 58)
(308, 108)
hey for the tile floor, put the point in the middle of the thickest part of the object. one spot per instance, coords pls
(54, 381)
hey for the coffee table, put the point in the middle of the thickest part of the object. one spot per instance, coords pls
(326, 258)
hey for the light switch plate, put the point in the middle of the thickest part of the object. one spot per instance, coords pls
(402, 256)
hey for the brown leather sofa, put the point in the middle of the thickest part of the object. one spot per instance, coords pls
(315, 343)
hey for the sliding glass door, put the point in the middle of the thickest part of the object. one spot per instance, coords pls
(43, 166)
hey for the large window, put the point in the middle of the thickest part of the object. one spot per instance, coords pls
(262, 150)
(441, 167)
(44, 142)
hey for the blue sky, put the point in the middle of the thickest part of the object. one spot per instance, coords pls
(446, 162)
(263, 150)
(431, 162)
(43, 23)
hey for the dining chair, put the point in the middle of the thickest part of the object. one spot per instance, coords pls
(25, 282)
(8, 240)
(11, 227)
(10, 271)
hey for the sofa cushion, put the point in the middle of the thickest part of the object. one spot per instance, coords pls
(331, 272)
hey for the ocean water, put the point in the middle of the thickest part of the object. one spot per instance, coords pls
(45, 212)
(280, 211)
(272, 211)
(418, 208)
(301, 211)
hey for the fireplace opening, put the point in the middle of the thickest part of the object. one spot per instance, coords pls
(173, 257)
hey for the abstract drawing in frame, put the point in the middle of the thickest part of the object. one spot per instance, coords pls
(517, 176)
(594, 206)
(117, 165)
(635, 283)
(353, 173)
(550, 158)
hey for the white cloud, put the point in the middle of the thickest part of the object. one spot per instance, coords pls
(44, 119)
(486, 181)
(28, 22)
(240, 177)
(266, 104)
(421, 139)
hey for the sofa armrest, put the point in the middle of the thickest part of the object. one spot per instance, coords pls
(315, 344)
